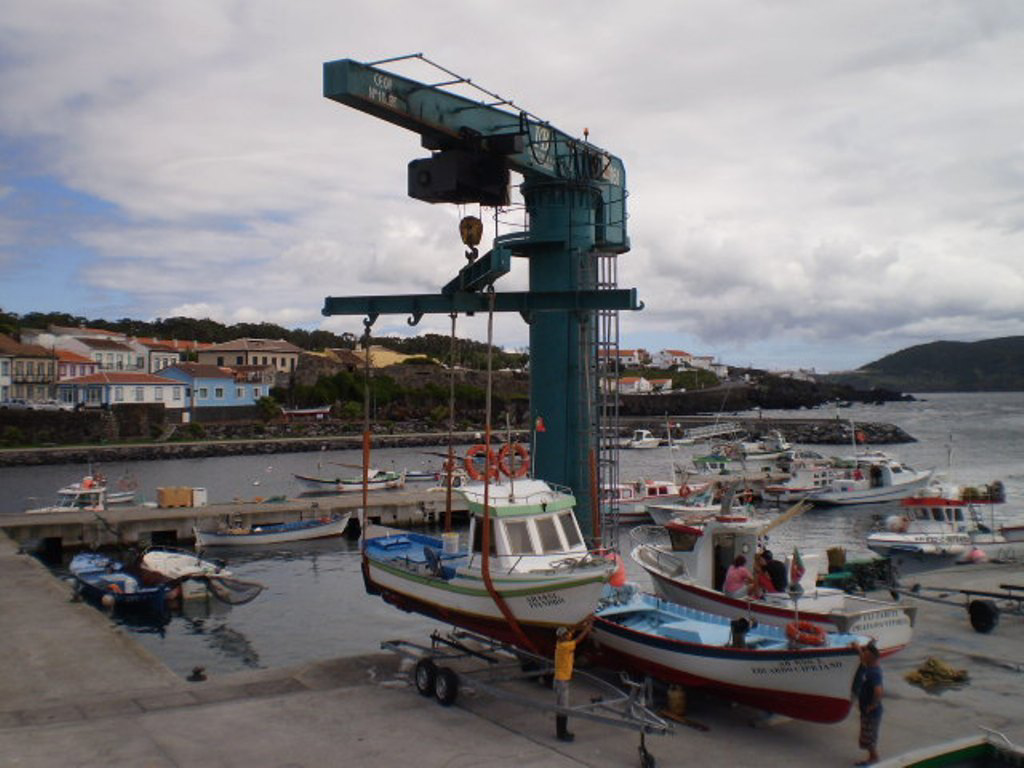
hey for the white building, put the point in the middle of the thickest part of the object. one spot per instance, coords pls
(671, 358)
(120, 388)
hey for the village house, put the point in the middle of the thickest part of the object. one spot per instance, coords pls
(112, 388)
(32, 370)
(281, 355)
(71, 365)
(671, 358)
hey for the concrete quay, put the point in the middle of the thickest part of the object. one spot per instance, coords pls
(75, 690)
(145, 525)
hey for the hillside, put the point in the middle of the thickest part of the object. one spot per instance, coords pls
(993, 365)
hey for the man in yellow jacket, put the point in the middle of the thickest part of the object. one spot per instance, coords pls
(565, 650)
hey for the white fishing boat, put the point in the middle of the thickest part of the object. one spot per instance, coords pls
(534, 575)
(805, 479)
(273, 533)
(704, 503)
(643, 439)
(687, 561)
(871, 478)
(90, 494)
(797, 671)
(377, 480)
(631, 499)
(940, 527)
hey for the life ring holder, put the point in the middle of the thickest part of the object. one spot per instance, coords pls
(490, 462)
(805, 633)
(505, 462)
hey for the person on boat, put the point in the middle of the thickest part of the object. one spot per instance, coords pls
(762, 579)
(738, 580)
(565, 650)
(776, 570)
(867, 685)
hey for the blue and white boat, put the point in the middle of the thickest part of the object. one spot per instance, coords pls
(799, 671)
(273, 533)
(102, 580)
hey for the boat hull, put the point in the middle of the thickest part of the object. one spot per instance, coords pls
(804, 683)
(540, 603)
(273, 534)
(853, 492)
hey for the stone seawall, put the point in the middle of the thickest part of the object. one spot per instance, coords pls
(804, 431)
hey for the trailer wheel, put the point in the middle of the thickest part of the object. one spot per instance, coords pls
(425, 676)
(446, 687)
(984, 615)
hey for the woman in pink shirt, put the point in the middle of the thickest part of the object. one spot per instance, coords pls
(737, 579)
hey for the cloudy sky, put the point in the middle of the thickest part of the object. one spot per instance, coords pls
(812, 184)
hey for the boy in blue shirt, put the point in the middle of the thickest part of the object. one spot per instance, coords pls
(868, 685)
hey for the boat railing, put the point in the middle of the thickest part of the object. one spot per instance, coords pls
(543, 495)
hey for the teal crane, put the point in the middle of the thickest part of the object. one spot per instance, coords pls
(575, 199)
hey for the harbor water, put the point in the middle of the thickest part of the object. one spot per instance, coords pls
(314, 605)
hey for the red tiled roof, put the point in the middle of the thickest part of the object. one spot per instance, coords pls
(9, 346)
(110, 344)
(120, 378)
(254, 345)
(67, 356)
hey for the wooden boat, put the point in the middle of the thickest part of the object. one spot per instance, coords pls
(104, 581)
(687, 561)
(378, 480)
(273, 533)
(538, 567)
(90, 494)
(760, 666)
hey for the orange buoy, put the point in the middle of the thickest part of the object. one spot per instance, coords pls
(618, 577)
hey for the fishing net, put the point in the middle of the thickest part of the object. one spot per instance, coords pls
(233, 591)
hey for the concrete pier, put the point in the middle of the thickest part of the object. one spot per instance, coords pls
(142, 525)
(74, 690)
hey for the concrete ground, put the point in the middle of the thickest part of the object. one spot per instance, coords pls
(74, 690)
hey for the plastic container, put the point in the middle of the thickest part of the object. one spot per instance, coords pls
(198, 497)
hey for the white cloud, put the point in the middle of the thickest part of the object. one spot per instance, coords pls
(824, 179)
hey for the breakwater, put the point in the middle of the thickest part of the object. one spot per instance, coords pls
(235, 441)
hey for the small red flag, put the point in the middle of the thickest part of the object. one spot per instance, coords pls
(539, 425)
(861, 437)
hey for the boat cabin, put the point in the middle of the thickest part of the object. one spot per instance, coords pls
(707, 549)
(533, 526)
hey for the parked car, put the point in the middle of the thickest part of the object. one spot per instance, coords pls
(53, 405)
(17, 404)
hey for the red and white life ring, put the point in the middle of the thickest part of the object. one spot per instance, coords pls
(805, 633)
(490, 468)
(507, 464)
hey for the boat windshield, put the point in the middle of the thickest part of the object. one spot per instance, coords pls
(549, 539)
(518, 534)
(73, 500)
(683, 541)
(570, 529)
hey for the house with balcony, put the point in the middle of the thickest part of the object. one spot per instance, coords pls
(110, 389)
(111, 354)
(281, 355)
(32, 370)
(153, 355)
(627, 358)
(71, 365)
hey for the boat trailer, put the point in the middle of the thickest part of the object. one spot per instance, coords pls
(983, 607)
(462, 659)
